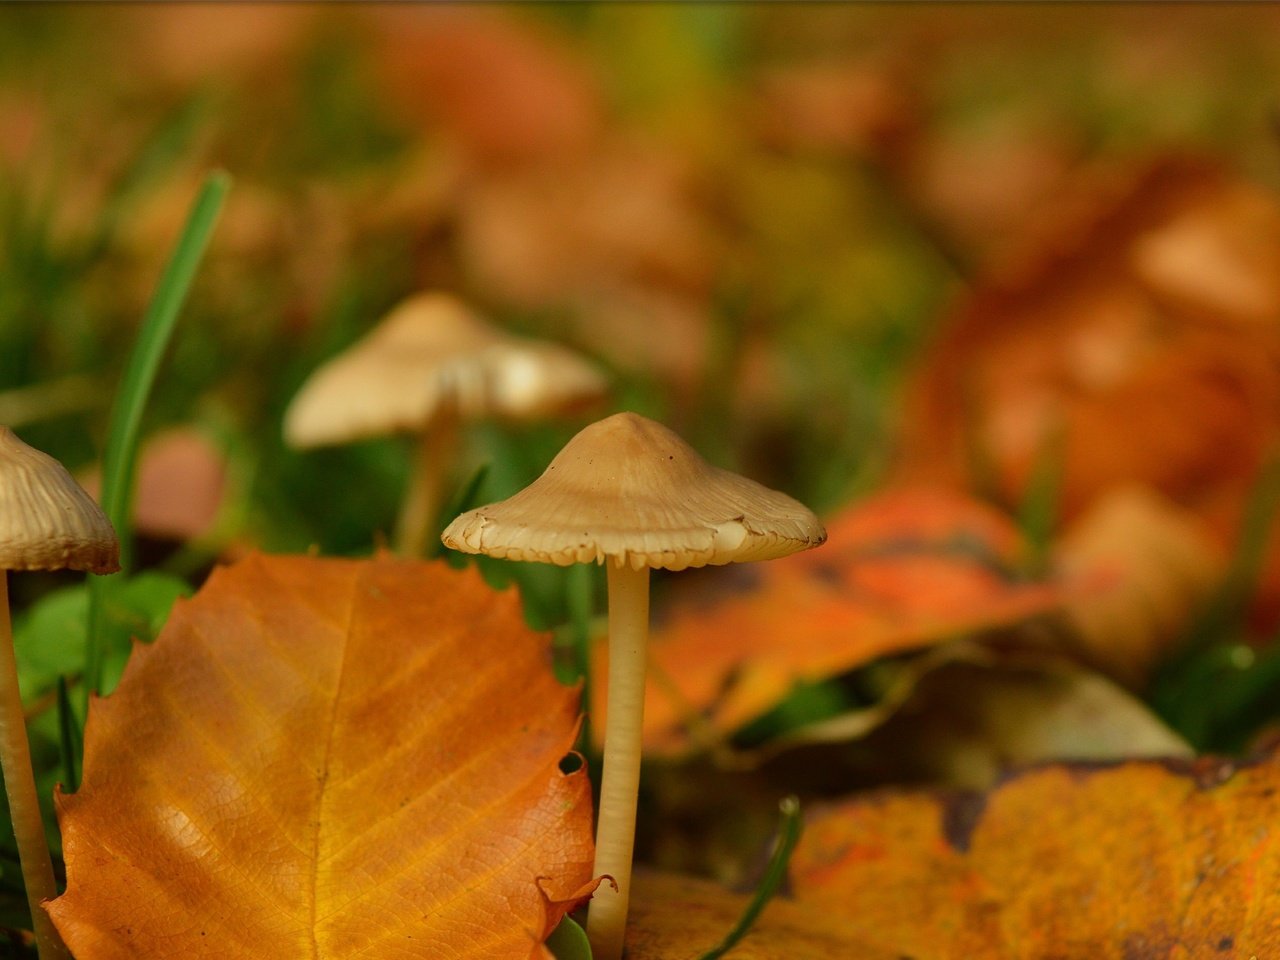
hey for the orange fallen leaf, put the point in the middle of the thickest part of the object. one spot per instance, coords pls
(1157, 565)
(980, 185)
(505, 88)
(865, 108)
(621, 243)
(647, 329)
(1216, 258)
(674, 916)
(1139, 326)
(329, 758)
(629, 214)
(957, 716)
(185, 44)
(1145, 859)
(900, 571)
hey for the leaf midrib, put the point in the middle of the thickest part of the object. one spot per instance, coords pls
(323, 789)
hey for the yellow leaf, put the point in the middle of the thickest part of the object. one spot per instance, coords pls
(1132, 339)
(679, 918)
(1146, 859)
(329, 759)
(1159, 567)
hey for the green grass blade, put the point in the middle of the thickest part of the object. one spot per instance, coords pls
(70, 743)
(119, 460)
(788, 837)
(120, 457)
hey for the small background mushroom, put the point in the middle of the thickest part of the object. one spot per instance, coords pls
(428, 367)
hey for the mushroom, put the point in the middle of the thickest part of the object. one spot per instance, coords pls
(629, 493)
(47, 522)
(429, 365)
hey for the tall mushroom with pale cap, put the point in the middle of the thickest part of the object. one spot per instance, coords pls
(629, 493)
(47, 522)
(431, 364)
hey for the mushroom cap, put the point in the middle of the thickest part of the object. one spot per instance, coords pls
(47, 521)
(630, 490)
(433, 354)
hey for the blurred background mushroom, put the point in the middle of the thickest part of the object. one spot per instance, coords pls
(429, 367)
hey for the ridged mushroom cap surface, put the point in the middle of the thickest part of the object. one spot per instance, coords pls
(47, 521)
(431, 355)
(631, 492)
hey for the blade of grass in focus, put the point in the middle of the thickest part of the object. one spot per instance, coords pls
(119, 460)
(70, 742)
(788, 836)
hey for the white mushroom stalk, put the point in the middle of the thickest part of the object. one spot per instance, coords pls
(47, 522)
(20, 788)
(629, 493)
(620, 783)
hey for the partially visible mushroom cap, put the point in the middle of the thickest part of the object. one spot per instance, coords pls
(430, 353)
(47, 522)
(528, 380)
(630, 490)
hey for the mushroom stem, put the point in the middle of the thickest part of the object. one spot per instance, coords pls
(20, 786)
(433, 455)
(620, 786)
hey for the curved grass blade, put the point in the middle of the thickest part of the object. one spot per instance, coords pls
(70, 741)
(119, 460)
(788, 836)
